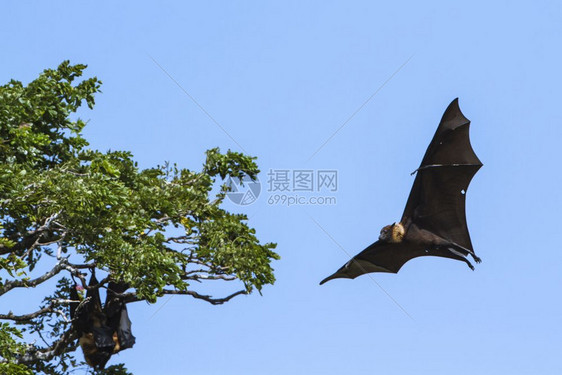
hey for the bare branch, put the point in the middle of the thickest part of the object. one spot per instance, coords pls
(32, 239)
(48, 222)
(132, 297)
(200, 270)
(211, 300)
(59, 251)
(182, 240)
(74, 271)
(162, 219)
(9, 285)
(44, 310)
(199, 276)
(61, 265)
(63, 345)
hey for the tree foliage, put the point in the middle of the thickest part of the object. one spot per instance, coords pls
(66, 209)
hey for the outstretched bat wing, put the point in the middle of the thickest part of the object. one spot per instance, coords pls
(378, 257)
(437, 199)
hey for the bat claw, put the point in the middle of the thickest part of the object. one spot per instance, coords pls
(477, 259)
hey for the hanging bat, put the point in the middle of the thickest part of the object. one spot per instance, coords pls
(434, 221)
(117, 317)
(103, 331)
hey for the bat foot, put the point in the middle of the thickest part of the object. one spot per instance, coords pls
(476, 259)
(461, 257)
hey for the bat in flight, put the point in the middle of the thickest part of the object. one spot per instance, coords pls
(102, 331)
(434, 220)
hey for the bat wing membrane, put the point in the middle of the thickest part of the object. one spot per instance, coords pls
(378, 257)
(437, 199)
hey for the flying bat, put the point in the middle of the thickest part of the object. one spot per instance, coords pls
(434, 220)
(102, 331)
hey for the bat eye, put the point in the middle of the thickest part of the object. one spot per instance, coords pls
(463, 192)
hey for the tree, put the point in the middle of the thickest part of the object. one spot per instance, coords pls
(66, 209)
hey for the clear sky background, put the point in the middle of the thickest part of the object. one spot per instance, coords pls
(281, 78)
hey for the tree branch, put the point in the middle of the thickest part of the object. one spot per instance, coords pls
(61, 265)
(199, 276)
(132, 297)
(34, 282)
(31, 239)
(63, 345)
(44, 310)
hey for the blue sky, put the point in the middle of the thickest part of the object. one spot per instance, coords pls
(281, 78)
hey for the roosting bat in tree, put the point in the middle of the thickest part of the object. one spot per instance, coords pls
(103, 332)
(434, 221)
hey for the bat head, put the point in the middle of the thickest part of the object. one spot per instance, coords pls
(393, 233)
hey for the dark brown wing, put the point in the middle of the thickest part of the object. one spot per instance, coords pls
(379, 257)
(73, 305)
(437, 199)
(117, 316)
